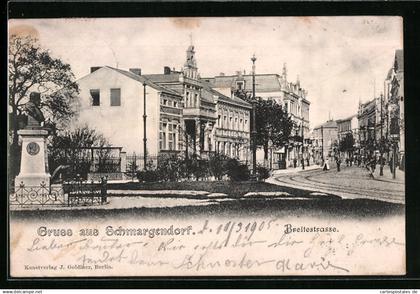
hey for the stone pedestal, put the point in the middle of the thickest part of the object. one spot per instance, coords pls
(34, 158)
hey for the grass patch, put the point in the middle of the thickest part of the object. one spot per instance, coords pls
(230, 188)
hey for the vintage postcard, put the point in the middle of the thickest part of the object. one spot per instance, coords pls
(208, 146)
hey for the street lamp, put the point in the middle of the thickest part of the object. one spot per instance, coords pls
(144, 126)
(254, 124)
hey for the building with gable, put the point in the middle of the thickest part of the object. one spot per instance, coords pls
(288, 94)
(111, 101)
(348, 126)
(394, 97)
(213, 121)
(325, 138)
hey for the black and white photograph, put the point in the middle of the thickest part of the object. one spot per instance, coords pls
(206, 146)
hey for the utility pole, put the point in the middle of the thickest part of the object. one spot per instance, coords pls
(381, 141)
(303, 148)
(322, 144)
(254, 124)
(144, 127)
(394, 160)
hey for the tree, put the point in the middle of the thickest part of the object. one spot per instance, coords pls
(274, 125)
(32, 68)
(346, 144)
(73, 148)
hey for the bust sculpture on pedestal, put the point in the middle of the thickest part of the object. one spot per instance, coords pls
(34, 164)
(32, 108)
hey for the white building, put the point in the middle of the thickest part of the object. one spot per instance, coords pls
(111, 101)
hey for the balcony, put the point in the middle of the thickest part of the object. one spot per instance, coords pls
(232, 133)
(171, 110)
(199, 112)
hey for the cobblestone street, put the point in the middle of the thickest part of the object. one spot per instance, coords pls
(350, 183)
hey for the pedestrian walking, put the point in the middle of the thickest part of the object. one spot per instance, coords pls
(371, 166)
(307, 161)
(326, 165)
(302, 161)
(338, 162)
(294, 162)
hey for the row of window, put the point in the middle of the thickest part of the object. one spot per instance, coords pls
(168, 135)
(114, 97)
(232, 149)
(232, 123)
(169, 102)
(227, 120)
(191, 99)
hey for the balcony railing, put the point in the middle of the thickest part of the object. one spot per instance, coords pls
(232, 133)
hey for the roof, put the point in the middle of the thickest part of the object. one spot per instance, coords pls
(328, 124)
(144, 80)
(236, 100)
(346, 119)
(370, 103)
(207, 91)
(399, 60)
(263, 82)
(164, 78)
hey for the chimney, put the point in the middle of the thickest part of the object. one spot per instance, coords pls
(222, 74)
(94, 68)
(166, 70)
(136, 71)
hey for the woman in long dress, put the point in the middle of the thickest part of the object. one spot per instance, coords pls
(326, 165)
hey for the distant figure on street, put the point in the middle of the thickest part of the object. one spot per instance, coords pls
(294, 162)
(371, 166)
(338, 162)
(307, 161)
(302, 161)
(347, 162)
(326, 165)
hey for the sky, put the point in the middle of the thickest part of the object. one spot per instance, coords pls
(339, 60)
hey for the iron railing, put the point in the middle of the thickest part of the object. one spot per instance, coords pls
(81, 193)
(41, 195)
(75, 193)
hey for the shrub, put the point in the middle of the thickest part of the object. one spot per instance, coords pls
(200, 169)
(148, 176)
(169, 168)
(263, 173)
(217, 166)
(237, 171)
(132, 168)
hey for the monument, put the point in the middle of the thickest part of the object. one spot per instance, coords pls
(34, 158)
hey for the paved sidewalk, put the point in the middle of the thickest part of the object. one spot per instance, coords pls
(294, 170)
(351, 182)
(399, 176)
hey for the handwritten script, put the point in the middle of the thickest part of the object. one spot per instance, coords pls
(269, 247)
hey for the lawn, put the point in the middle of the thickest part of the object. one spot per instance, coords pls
(234, 204)
(232, 189)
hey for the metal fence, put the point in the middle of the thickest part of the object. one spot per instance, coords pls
(74, 193)
(135, 162)
(82, 193)
(41, 195)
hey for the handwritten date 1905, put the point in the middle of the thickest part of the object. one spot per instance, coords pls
(230, 227)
